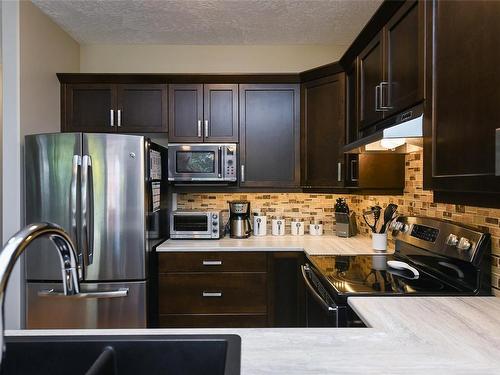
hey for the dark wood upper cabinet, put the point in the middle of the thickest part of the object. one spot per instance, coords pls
(463, 93)
(270, 135)
(186, 113)
(203, 113)
(405, 58)
(391, 67)
(371, 74)
(323, 132)
(88, 108)
(111, 108)
(142, 108)
(220, 109)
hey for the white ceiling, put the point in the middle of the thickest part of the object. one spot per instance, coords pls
(222, 22)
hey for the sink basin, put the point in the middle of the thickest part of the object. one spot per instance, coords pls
(123, 355)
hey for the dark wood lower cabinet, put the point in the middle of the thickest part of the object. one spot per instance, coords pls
(213, 321)
(213, 293)
(250, 290)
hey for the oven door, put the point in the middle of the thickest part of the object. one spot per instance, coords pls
(185, 225)
(321, 309)
(192, 163)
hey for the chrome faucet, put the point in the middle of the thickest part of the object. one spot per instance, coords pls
(16, 245)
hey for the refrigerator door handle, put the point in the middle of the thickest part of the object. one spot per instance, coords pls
(121, 292)
(87, 210)
(77, 162)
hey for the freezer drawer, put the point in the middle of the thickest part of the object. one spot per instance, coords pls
(48, 312)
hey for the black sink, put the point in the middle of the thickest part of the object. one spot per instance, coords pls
(123, 355)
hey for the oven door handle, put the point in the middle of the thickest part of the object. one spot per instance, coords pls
(305, 269)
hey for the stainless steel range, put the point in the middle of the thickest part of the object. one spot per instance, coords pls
(432, 258)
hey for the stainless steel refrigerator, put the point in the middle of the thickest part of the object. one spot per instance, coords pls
(108, 192)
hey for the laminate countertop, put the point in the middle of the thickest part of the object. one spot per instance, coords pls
(414, 335)
(312, 245)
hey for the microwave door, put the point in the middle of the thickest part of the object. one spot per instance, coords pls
(191, 163)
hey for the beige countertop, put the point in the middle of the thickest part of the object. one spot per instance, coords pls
(312, 245)
(414, 335)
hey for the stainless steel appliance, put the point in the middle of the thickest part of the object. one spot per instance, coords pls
(239, 219)
(196, 225)
(202, 163)
(401, 133)
(108, 192)
(432, 258)
(497, 152)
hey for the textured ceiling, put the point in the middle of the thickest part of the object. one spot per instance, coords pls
(211, 21)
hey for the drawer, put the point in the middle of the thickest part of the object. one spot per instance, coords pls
(213, 293)
(213, 321)
(212, 262)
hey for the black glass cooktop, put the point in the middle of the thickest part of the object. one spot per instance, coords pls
(369, 275)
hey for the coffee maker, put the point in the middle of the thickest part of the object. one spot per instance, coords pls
(239, 219)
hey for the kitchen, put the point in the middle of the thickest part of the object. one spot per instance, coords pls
(292, 149)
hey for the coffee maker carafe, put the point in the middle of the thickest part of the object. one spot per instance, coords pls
(239, 219)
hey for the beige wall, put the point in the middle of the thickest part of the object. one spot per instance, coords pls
(45, 50)
(205, 59)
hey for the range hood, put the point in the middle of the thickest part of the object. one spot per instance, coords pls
(401, 133)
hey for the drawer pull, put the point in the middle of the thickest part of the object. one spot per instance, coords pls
(212, 294)
(212, 262)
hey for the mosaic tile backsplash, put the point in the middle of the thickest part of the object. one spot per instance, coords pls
(310, 207)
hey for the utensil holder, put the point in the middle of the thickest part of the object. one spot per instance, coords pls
(379, 241)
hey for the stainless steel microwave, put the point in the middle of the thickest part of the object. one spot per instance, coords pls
(190, 225)
(202, 162)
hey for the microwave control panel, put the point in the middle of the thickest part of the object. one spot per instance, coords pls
(230, 163)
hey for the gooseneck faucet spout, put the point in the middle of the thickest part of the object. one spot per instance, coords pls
(16, 245)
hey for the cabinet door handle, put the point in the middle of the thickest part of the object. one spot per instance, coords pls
(242, 172)
(382, 106)
(212, 294)
(206, 129)
(212, 262)
(377, 99)
(199, 128)
(353, 162)
(119, 116)
(339, 171)
(112, 117)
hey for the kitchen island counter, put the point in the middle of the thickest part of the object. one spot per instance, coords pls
(417, 335)
(312, 245)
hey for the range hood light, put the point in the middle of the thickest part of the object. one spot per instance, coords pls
(392, 143)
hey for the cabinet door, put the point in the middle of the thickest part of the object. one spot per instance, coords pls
(142, 108)
(220, 113)
(323, 132)
(370, 76)
(405, 57)
(270, 139)
(185, 113)
(465, 89)
(89, 108)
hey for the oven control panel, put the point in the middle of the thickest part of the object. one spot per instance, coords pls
(425, 233)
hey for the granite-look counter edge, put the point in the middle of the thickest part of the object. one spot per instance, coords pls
(414, 335)
(312, 245)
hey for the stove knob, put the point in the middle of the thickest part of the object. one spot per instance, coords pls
(215, 230)
(464, 244)
(214, 216)
(452, 240)
(214, 223)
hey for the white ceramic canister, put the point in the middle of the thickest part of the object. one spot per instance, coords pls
(379, 241)
(297, 227)
(259, 224)
(278, 226)
(316, 228)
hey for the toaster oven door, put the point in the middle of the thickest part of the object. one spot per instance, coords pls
(190, 226)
